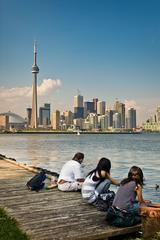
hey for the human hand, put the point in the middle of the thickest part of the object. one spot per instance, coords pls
(147, 202)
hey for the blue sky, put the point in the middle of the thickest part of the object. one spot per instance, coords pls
(107, 49)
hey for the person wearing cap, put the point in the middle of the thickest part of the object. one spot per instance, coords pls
(71, 175)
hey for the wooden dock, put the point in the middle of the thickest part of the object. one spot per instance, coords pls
(51, 214)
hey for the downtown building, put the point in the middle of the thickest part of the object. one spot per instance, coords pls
(120, 108)
(101, 107)
(4, 122)
(78, 107)
(95, 100)
(29, 116)
(117, 120)
(44, 115)
(131, 119)
(93, 121)
(88, 108)
(109, 114)
(104, 120)
(68, 118)
(55, 122)
(12, 121)
(153, 123)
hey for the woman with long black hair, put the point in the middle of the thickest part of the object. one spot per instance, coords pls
(95, 189)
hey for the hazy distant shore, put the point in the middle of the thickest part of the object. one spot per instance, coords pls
(65, 132)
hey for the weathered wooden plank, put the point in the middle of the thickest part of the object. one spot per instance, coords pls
(89, 232)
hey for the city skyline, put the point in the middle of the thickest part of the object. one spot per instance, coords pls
(107, 49)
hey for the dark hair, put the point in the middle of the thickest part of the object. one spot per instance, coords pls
(78, 156)
(103, 164)
(134, 170)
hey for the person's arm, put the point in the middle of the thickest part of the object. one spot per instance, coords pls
(78, 173)
(138, 190)
(113, 181)
(140, 197)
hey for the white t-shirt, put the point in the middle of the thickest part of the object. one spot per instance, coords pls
(89, 186)
(71, 171)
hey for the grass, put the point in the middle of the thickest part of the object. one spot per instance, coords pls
(9, 228)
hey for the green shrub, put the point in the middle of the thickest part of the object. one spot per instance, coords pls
(9, 228)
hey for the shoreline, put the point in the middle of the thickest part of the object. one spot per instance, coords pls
(65, 132)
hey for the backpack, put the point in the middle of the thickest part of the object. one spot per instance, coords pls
(104, 200)
(122, 218)
(36, 183)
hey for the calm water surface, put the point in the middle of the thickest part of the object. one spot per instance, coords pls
(124, 150)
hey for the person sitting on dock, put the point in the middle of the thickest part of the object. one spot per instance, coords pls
(126, 209)
(95, 189)
(71, 175)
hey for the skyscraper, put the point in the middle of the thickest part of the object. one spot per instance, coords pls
(35, 71)
(120, 108)
(56, 120)
(44, 115)
(29, 115)
(131, 118)
(78, 107)
(117, 120)
(101, 107)
(68, 118)
(93, 120)
(95, 100)
(88, 108)
(104, 122)
(110, 113)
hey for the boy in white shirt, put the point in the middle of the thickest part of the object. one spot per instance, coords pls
(71, 175)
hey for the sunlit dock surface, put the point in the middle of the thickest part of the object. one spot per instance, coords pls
(51, 214)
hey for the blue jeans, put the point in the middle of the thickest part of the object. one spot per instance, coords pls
(134, 208)
(103, 187)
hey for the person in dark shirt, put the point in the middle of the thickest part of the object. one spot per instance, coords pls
(130, 190)
(129, 203)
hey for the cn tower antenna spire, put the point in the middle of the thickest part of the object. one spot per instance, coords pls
(35, 45)
(35, 53)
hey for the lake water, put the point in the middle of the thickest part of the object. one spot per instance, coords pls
(51, 151)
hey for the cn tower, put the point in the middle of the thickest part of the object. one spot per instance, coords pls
(35, 71)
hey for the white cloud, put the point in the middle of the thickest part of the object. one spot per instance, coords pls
(48, 85)
(11, 93)
(17, 99)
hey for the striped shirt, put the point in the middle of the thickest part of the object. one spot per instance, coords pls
(88, 188)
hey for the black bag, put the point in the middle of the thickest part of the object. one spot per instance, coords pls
(36, 183)
(104, 200)
(121, 218)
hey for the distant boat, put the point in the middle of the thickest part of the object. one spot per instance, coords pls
(78, 133)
